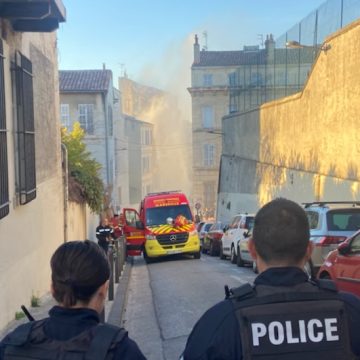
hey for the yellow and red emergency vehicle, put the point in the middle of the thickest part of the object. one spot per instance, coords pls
(164, 226)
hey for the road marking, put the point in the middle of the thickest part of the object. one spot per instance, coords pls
(238, 278)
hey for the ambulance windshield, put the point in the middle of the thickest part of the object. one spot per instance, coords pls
(158, 215)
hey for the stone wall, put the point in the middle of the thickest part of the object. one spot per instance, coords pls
(306, 146)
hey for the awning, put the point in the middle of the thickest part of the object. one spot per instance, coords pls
(33, 15)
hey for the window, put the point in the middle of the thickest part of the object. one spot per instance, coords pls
(4, 181)
(355, 245)
(65, 115)
(25, 129)
(207, 80)
(207, 117)
(86, 117)
(146, 136)
(209, 155)
(232, 79)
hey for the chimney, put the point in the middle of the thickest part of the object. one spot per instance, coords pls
(196, 51)
(270, 48)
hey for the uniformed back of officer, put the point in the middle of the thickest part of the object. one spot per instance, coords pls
(80, 275)
(284, 315)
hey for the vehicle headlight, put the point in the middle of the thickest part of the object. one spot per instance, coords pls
(192, 233)
(150, 237)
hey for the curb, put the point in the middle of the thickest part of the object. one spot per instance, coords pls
(115, 315)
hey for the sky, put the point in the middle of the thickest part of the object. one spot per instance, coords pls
(152, 40)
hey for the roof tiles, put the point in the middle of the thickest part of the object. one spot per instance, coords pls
(84, 80)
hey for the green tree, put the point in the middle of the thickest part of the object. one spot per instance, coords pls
(85, 183)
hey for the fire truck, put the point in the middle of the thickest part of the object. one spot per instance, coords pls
(163, 226)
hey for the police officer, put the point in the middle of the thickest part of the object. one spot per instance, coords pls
(284, 315)
(104, 234)
(80, 277)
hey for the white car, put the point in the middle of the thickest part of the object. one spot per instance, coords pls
(239, 225)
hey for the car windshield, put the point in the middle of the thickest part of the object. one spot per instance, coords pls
(158, 215)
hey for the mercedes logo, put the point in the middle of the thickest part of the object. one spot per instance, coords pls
(172, 238)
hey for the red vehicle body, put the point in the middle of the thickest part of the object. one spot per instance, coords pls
(343, 265)
(164, 226)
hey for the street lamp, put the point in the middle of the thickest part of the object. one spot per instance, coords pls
(292, 44)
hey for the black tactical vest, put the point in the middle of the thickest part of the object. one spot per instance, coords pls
(29, 341)
(292, 323)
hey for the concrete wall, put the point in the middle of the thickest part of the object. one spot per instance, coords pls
(306, 146)
(30, 233)
(77, 227)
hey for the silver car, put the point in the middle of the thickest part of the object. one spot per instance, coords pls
(330, 224)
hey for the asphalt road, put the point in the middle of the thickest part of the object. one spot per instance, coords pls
(166, 298)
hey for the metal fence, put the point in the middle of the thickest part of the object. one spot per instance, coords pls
(278, 70)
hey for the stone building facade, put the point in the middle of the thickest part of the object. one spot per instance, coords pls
(228, 82)
(87, 96)
(31, 186)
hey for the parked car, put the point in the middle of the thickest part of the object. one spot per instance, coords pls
(343, 265)
(212, 239)
(330, 224)
(243, 256)
(202, 232)
(239, 225)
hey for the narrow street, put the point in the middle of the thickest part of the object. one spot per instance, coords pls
(166, 298)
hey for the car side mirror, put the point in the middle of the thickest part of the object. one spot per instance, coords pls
(140, 225)
(226, 228)
(246, 234)
(344, 248)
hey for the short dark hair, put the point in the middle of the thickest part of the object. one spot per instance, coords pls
(78, 268)
(281, 232)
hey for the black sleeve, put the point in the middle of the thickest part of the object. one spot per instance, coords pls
(353, 308)
(128, 350)
(215, 336)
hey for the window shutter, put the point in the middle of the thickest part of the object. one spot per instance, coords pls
(25, 129)
(4, 180)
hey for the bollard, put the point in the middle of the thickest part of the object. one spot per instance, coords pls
(116, 260)
(111, 279)
(121, 255)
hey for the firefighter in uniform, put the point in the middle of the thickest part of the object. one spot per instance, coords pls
(80, 274)
(284, 315)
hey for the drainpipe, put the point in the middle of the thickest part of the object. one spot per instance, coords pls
(65, 170)
(106, 140)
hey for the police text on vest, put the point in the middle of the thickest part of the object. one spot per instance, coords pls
(314, 330)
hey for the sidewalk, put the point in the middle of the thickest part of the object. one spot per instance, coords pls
(113, 309)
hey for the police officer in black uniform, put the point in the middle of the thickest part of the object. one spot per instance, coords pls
(104, 234)
(284, 315)
(80, 274)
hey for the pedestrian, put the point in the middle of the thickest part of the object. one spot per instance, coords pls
(104, 234)
(80, 278)
(283, 315)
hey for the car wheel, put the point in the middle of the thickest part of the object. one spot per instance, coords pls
(221, 255)
(197, 255)
(148, 260)
(239, 260)
(233, 256)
